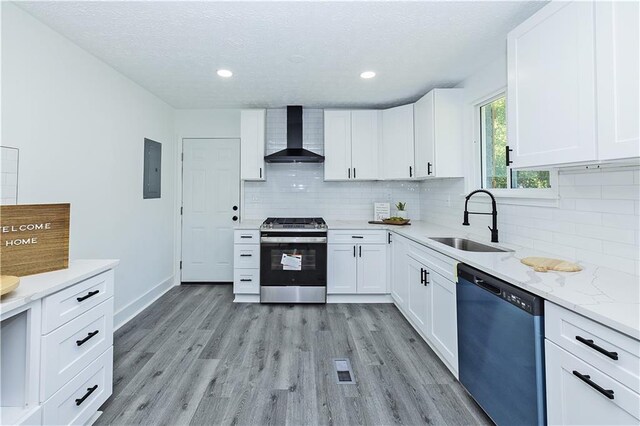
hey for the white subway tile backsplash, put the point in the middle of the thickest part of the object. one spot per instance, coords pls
(596, 220)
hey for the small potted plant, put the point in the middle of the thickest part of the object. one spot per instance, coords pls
(402, 212)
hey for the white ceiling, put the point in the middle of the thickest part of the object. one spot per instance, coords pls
(281, 53)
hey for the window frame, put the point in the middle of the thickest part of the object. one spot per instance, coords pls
(528, 196)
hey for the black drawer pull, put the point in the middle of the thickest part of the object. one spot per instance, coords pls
(587, 379)
(86, 395)
(603, 351)
(88, 295)
(246, 236)
(357, 236)
(244, 280)
(89, 336)
(245, 255)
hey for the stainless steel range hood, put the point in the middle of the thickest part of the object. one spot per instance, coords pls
(294, 153)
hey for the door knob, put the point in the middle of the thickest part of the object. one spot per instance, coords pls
(235, 218)
(235, 208)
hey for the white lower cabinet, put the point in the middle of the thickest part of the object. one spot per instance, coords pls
(246, 262)
(580, 394)
(357, 269)
(419, 297)
(443, 330)
(399, 270)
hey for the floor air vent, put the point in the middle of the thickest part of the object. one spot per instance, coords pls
(344, 373)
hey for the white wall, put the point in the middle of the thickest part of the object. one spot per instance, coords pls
(80, 127)
(208, 123)
(596, 219)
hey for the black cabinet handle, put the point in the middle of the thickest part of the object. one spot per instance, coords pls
(389, 237)
(245, 255)
(349, 172)
(354, 251)
(246, 236)
(86, 395)
(429, 168)
(235, 218)
(260, 172)
(410, 171)
(507, 150)
(603, 351)
(587, 379)
(244, 280)
(426, 277)
(89, 336)
(357, 236)
(354, 172)
(360, 251)
(88, 295)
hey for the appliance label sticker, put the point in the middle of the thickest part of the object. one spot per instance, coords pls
(291, 262)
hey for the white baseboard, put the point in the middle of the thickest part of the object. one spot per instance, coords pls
(359, 298)
(246, 298)
(125, 314)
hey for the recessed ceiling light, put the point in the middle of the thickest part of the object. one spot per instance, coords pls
(225, 73)
(368, 74)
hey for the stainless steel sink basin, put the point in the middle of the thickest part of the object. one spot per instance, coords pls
(468, 245)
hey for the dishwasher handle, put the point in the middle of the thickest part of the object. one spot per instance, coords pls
(483, 284)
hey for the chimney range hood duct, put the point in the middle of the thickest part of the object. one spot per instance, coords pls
(294, 153)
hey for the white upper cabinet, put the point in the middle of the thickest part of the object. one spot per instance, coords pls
(337, 145)
(617, 70)
(365, 137)
(351, 145)
(438, 134)
(396, 154)
(573, 94)
(252, 141)
(551, 86)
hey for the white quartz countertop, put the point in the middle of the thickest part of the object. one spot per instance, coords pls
(249, 224)
(37, 286)
(607, 296)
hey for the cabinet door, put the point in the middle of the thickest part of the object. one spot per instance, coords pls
(419, 299)
(341, 268)
(337, 145)
(396, 158)
(443, 329)
(617, 60)
(399, 270)
(573, 401)
(252, 137)
(364, 144)
(372, 268)
(424, 130)
(551, 86)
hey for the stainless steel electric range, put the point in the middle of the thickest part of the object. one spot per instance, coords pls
(293, 260)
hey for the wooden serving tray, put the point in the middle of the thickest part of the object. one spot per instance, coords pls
(379, 222)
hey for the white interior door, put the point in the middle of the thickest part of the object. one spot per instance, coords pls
(210, 190)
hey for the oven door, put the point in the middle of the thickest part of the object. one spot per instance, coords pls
(309, 266)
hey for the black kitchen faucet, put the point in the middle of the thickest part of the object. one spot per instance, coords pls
(494, 213)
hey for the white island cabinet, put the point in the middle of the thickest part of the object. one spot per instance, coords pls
(57, 345)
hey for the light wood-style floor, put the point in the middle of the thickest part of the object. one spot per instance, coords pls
(195, 357)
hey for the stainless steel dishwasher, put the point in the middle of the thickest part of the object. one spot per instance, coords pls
(501, 348)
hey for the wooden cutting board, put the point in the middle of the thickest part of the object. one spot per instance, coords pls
(8, 283)
(544, 264)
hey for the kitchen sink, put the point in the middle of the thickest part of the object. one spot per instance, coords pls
(467, 245)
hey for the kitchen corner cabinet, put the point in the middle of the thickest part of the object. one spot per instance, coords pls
(357, 262)
(351, 141)
(252, 143)
(396, 147)
(438, 134)
(399, 270)
(573, 84)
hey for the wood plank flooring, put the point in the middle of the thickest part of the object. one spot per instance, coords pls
(195, 357)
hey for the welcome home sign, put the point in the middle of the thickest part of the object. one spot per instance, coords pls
(34, 238)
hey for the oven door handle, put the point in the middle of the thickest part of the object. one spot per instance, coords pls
(315, 240)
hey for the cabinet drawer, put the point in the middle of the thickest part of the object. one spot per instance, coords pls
(70, 348)
(357, 237)
(67, 406)
(437, 262)
(573, 396)
(65, 305)
(246, 256)
(246, 281)
(246, 237)
(588, 339)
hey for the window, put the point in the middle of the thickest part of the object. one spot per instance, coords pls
(495, 173)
